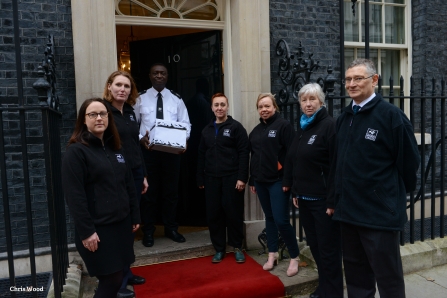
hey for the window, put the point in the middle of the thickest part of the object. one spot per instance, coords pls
(191, 9)
(388, 38)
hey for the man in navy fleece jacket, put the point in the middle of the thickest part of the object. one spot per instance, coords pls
(375, 166)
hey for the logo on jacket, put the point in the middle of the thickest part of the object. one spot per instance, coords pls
(226, 132)
(272, 133)
(371, 134)
(131, 118)
(120, 158)
(312, 139)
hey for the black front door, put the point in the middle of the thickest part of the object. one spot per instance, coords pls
(194, 63)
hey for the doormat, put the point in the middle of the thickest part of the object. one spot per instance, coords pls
(23, 287)
(199, 278)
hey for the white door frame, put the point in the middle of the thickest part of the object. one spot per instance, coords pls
(246, 55)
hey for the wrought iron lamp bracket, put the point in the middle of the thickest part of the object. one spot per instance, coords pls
(295, 70)
(46, 84)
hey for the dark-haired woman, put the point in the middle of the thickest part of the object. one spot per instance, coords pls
(223, 171)
(100, 194)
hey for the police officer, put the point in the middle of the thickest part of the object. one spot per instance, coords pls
(162, 168)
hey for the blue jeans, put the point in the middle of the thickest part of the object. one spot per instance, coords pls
(275, 204)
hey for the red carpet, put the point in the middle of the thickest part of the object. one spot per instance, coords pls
(197, 278)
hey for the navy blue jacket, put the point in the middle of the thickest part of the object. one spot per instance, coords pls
(98, 186)
(224, 152)
(129, 130)
(269, 143)
(376, 163)
(309, 159)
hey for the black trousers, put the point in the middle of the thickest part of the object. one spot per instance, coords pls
(108, 285)
(324, 240)
(162, 175)
(371, 256)
(224, 211)
(138, 178)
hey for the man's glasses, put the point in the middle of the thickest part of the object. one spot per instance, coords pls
(103, 115)
(354, 80)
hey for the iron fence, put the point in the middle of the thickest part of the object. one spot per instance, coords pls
(427, 113)
(11, 181)
(30, 141)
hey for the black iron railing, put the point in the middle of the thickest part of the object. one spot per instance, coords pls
(30, 140)
(50, 141)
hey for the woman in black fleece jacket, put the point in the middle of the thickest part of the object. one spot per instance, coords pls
(306, 171)
(270, 141)
(222, 171)
(100, 194)
(120, 94)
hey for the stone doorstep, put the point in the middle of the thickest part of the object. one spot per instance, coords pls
(305, 282)
(72, 287)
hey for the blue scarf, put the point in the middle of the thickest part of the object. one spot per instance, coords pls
(305, 121)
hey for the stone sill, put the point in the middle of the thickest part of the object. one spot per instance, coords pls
(418, 136)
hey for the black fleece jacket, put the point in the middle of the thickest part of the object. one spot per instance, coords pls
(223, 153)
(129, 130)
(374, 167)
(269, 143)
(98, 185)
(308, 161)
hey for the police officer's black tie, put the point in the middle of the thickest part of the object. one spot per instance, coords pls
(159, 106)
(356, 108)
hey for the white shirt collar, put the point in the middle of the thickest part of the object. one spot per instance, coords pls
(363, 103)
(155, 92)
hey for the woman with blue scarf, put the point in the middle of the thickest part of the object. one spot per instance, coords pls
(306, 173)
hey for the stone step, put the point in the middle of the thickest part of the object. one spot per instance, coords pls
(307, 279)
(198, 244)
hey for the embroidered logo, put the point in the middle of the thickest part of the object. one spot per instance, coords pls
(312, 139)
(131, 118)
(272, 134)
(226, 132)
(119, 158)
(371, 134)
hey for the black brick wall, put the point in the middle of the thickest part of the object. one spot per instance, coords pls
(429, 25)
(37, 20)
(429, 31)
(313, 23)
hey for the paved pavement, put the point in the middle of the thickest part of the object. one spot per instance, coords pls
(426, 283)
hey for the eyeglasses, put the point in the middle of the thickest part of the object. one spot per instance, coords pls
(103, 115)
(355, 80)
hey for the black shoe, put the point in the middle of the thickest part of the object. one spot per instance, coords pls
(136, 280)
(175, 236)
(148, 240)
(125, 293)
(314, 295)
(218, 257)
